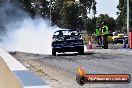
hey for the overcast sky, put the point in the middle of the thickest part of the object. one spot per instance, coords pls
(107, 7)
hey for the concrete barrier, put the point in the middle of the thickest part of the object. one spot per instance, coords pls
(7, 77)
(14, 75)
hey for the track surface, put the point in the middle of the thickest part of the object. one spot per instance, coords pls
(60, 71)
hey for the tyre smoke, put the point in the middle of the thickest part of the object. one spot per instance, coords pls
(33, 36)
(23, 33)
(19, 32)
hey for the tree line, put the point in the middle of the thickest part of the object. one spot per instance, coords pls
(69, 14)
(121, 20)
(74, 14)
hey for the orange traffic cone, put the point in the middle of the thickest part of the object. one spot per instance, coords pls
(90, 46)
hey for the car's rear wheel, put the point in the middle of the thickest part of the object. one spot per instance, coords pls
(53, 52)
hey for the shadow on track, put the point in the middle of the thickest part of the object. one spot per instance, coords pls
(74, 54)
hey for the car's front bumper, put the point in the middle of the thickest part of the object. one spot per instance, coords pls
(120, 40)
(68, 48)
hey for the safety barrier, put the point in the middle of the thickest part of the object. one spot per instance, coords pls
(7, 78)
(14, 75)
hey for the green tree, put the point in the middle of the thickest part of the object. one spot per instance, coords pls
(121, 19)
(40, 7)
(56, 6)
(44, 8)
(85, 8)
(110, 21)
(64, 13)
(77, 13)
(88, 26)
(69, 15)
(122, 16)
(25, 5)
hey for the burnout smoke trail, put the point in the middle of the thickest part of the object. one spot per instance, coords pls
(19, 32)
(33, 36)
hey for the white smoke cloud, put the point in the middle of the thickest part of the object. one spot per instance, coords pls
(21, 32)
(32, 35)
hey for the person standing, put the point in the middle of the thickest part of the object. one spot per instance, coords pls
(98, 35)
(105, 33)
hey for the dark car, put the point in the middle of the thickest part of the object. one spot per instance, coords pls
(67, 41)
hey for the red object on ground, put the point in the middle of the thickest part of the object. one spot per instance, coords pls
(130, 39)
(90, 46)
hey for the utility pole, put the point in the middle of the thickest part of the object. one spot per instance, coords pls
(128, 26)
(50, 12)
